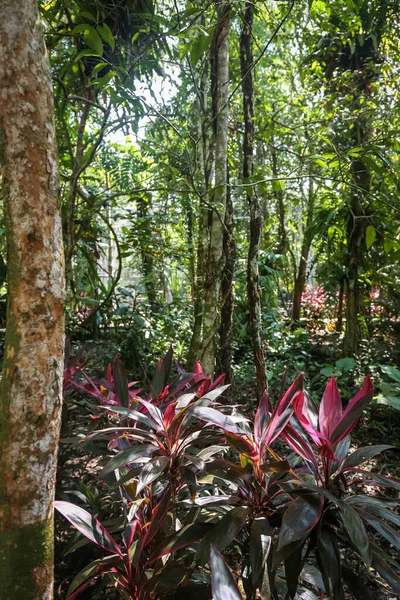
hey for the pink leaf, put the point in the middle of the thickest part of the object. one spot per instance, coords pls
(330, 411)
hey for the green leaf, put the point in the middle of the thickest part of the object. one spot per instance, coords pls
(392, 372)
(388, 245)
(84, 14)
(91, 37)
(321, 163)
(107, 35)
(198, 46)
(393, 401)
(99, 67)
(346, 364)
(370, 236)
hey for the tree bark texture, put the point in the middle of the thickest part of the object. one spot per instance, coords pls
(227, 291)
(356, 227)
(214, 255)
(31, 387)
(253, 287)
(204, 157)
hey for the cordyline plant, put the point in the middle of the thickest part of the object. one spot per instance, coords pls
(331, 509)
(182, 499)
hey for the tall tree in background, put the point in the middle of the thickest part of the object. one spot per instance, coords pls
(253, 287)
(31, 387)
(214, 255)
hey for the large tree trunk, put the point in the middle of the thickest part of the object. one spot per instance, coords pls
(253, 287)
(31, 388)
(214, 256)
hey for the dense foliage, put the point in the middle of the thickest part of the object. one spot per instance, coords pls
(196, 476)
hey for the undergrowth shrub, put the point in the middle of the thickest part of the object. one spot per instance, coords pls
(197, 478)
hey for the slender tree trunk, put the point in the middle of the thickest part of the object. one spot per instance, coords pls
(339, 322)
(145, 243)
(308, 236)
(227, 292)
(204, 157)
(253, 287)
(214, 256)
(356, 227)
(282, 235)
(31, 387)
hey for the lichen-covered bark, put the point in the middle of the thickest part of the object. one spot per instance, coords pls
(31, 388)
(253, 286)
(214, 256)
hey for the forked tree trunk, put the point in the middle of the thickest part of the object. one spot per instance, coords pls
(214, 256)
(253, 286)
(31, 388)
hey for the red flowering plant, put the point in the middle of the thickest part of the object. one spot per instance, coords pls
(331, 507)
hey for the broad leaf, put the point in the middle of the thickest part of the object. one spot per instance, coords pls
(259, 546)
(214, 417)
(151, 471)
(355, 529)
(94, 568)
(328, 558)
(353, 411)
(121, 383)
(363, 454)
(223, 532)
(300, 519)
(330, 410)
(223, 584)
(128, 456)
(88, 525)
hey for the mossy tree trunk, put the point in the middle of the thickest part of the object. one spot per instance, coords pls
(31, 388)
